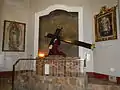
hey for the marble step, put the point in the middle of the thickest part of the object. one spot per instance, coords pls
(103, 87)
(94, 84)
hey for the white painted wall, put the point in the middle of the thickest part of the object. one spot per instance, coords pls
(106, 55)
(15, 10)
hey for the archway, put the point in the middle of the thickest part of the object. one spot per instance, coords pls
(79, 10)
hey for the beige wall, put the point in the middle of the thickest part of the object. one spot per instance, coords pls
(15, 11)
(1, 8)
(106, 54)
(38, 5)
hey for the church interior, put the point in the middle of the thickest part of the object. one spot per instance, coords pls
(59, 45)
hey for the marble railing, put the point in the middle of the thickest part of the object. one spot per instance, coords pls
(60, 66)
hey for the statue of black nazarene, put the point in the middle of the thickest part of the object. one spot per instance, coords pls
(56, 41)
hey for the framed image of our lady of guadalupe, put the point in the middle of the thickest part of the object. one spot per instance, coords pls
(13, 36)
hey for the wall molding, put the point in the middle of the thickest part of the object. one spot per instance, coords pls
(50, 9)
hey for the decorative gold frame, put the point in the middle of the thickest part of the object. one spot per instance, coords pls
(106, 24)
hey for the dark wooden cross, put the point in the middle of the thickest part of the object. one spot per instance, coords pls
(73, 42)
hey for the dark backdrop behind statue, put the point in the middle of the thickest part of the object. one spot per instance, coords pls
(68, 21)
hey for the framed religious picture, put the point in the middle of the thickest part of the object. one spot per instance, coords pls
(105, 24)
(14, 36)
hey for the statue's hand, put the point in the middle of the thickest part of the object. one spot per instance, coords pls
(50, 47)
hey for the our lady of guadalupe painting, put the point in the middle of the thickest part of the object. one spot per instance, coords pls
(13, 36)
(105, 24)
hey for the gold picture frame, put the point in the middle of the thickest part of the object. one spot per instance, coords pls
(13, 36)
(106, 24)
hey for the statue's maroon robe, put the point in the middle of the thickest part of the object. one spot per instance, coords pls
(55, 49)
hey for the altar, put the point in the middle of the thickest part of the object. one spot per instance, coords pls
(52, 73)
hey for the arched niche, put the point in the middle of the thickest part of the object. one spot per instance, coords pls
(52, 12)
